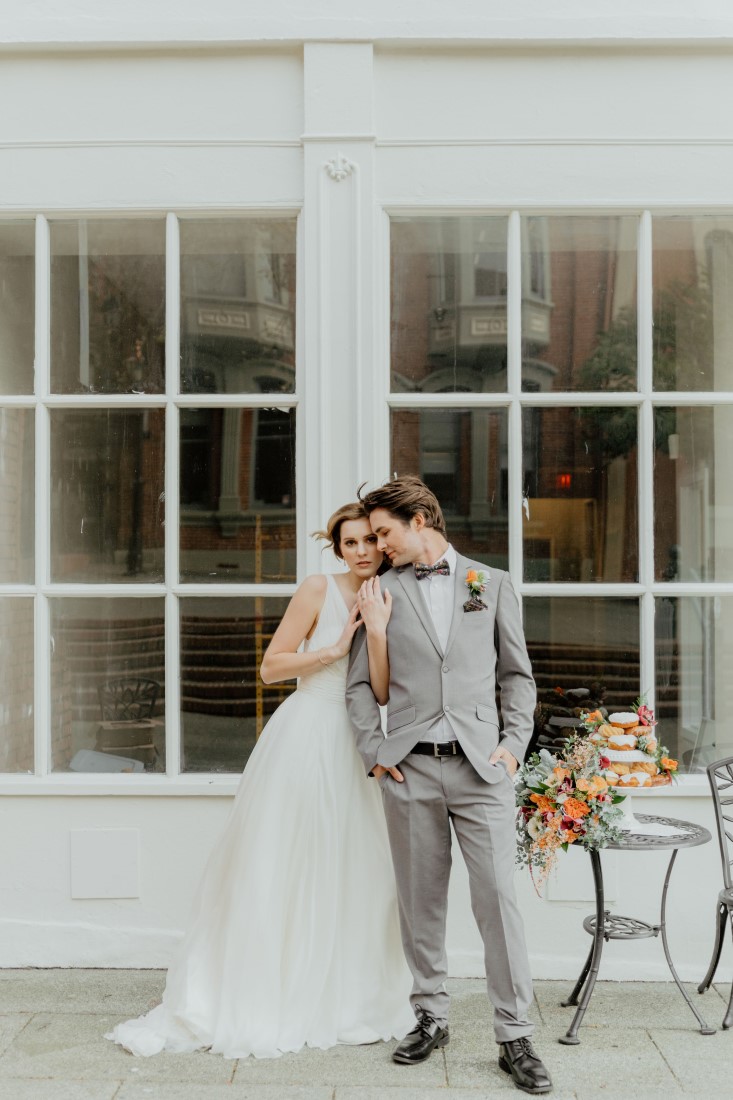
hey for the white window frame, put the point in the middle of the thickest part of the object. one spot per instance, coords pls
(644, 398)
(44, 781)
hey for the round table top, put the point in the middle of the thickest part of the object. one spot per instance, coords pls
(689, 835)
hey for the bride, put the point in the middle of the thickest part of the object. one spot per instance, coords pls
(294, 938)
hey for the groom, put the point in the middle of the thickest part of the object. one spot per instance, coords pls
(445, 760)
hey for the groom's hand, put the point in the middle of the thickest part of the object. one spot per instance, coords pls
(503, 754)
(378, 771)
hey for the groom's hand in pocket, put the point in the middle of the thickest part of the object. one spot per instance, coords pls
(378, 771)
(510, 761)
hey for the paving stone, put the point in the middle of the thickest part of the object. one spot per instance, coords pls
(626, 1004)
(10, 1026)
(58, 1090)
(125, 991)
(699, 1062)
(342, 1065)
(180, 1091)
(612, 1058)
(72, 1046)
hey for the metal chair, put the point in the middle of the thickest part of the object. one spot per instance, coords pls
(127, 705)
(720, 777)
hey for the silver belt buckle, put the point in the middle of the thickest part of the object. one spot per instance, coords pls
(435, 749)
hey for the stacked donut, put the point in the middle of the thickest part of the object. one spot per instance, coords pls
(618, 739)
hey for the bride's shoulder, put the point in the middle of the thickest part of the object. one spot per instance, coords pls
(314, 585)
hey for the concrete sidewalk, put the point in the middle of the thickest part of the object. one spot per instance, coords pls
(640, 1040)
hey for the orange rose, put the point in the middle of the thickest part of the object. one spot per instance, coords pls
(583, 784)
(572, 807)
(471, 576)
(560, 774)
(668, 764)
(598, 785)
(594, 716)
(542, 802)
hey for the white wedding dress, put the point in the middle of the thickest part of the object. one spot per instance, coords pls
(294, 938)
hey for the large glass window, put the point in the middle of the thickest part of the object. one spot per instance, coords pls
(599, 505)
(16, 684)
(17, 495)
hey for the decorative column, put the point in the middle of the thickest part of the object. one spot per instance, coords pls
(340, 393)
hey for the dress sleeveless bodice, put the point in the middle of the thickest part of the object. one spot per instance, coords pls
(328, 681)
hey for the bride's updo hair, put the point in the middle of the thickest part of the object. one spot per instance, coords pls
(332, 534)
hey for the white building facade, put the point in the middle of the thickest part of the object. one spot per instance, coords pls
(248, 262)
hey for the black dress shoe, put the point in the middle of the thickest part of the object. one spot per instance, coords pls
(419, 1043)
(519, 1058)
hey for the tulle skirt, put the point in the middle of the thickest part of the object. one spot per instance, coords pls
(294, 938)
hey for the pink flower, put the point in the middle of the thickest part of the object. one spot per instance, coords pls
(645, 715)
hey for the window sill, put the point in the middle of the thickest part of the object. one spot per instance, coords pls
(218, 786)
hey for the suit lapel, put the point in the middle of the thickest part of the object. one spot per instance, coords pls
(410, 583)
(460, 595)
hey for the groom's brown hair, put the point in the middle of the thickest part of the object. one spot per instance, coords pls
(404, 497)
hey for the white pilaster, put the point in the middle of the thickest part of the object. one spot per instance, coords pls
(339, 399)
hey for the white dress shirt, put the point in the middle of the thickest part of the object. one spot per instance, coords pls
(438, 591)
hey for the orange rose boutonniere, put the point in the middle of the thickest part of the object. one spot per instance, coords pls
(476, 581)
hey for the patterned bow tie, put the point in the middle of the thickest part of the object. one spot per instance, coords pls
(441, 568)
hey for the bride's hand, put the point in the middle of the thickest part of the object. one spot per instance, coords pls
(375, 608)
(343, 645)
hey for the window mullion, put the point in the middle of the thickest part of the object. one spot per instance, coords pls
(172, 496)
(514, 387)
(645, 348)
(42, 504)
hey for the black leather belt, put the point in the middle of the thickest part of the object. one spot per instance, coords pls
(440, 748)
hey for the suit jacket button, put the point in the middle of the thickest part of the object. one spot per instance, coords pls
(446, 709)
(445, 668)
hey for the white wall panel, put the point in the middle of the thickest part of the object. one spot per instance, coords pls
(106, 97)
(591, 94)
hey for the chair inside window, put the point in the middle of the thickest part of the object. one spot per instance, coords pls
(720, 777)
(127, 707)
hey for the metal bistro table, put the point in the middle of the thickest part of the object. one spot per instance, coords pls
(605, 925)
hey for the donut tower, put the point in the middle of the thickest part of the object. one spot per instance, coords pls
(630, 749)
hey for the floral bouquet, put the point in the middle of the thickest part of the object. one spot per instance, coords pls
(562, 800)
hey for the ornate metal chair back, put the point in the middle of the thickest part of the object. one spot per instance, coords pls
(720, 777)
(127, 699)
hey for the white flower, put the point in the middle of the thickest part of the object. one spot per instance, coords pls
(534, 826)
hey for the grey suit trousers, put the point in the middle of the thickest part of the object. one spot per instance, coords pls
(437, 791)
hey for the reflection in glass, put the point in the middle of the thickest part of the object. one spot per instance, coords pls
(693, 644)
(238, 306)
(107, 685)
(223, 700)
(108, 306)
(693, 508)
(448, 304)
(461, 455)
(580, 517)
(238, 495)
(17, 494)
(107, 494)
(693, 303)
(16, 684)
(587, 643)
(17, 306)
(578, 303)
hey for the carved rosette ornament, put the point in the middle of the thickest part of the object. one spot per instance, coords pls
(339, 168)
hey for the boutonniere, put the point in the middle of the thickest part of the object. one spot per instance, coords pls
(476, 584)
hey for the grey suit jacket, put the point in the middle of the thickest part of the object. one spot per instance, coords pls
(484, 647)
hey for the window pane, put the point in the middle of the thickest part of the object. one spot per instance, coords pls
(694, 641)
(693, 509)
(16, 684)
(223, 700)
(581, 642)
(580, 516)
(578, 303)
(693, 303)
(108, 306)
(17, 495)
(107, 494)
(462, 456)
(107, 685)
(238, 495)
(17, 306)
(238, 306)
(448, 304)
